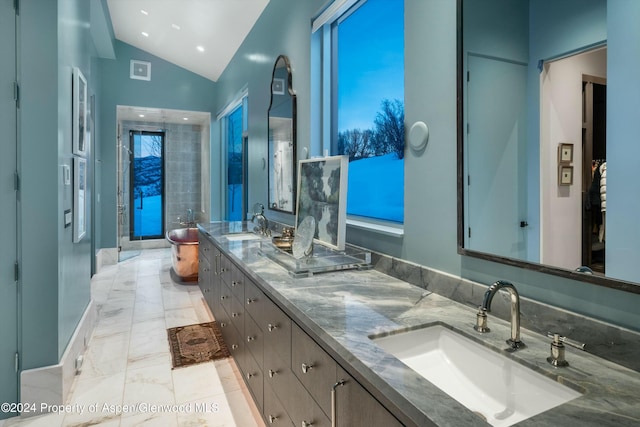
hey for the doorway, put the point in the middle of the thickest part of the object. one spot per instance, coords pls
(594, 155)
(146, 185)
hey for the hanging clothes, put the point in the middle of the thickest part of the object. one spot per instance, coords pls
(603, 199)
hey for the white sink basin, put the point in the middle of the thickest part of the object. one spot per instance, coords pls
(242, 236)
(486, 382)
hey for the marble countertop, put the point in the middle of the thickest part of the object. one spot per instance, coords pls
(342, 309)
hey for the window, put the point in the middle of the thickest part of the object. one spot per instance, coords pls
(235, 126)
(366, 77)
(147, 185)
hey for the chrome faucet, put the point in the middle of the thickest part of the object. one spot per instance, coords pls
(263, 224)
(481, 321)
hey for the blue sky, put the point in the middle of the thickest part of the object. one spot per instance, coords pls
(370, 62)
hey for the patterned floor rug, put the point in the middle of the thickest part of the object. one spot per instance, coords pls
(196, 344)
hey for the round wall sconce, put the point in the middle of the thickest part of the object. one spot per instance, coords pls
(418, 136)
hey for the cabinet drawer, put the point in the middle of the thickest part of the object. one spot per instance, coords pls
(278, 375)
(303, 410)
(274, 412)
(277, 331)
(254, 340)
(205, 247)
(204, 275)
(254, 379)
(237, 282)
(237, 314)
(225, 268)
(315, 369)
(226, 298)
(235, 344)
(254, 300)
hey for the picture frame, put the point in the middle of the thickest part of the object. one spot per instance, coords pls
(322, 194)
(278, 86)
(79, 198)
(565, 153)
(565, 175)
(79, 113)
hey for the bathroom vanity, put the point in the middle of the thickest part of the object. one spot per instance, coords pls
(307, 347)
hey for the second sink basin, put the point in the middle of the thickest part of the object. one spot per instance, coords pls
(242, 236)
(488, 383)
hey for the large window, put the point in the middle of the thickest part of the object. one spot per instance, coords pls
(367, 104)
(147, 185)
(236, 141)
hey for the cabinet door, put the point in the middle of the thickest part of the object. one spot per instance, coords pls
(255, 301)
(303, 409)
(277, 331)
(237, 282)
(315, 369)
(355, 407)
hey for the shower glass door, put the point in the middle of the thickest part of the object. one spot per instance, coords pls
(146, 185)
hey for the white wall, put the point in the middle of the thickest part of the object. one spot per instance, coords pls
(561, 122)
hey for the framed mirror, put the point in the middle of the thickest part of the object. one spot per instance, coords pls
(543, 89)
(282, 139)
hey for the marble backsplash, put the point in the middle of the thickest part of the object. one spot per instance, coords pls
(611, 342)
(605, 340)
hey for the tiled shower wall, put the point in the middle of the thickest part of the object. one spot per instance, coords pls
(182, 160)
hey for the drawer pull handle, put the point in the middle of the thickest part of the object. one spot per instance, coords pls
(249, 301)
(222, 324)
(234, 347)
(235, 314)
(306, 424)
(222, 298)
(234, 283)
(305, 368)
(249, 375)
(271, 327)
(272, 419)
(250, 338)
(272, 373)
(334, 415)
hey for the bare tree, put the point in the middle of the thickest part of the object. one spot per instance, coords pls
(356, 143)
(389, 129)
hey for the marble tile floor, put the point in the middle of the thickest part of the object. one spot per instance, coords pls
(128, 365)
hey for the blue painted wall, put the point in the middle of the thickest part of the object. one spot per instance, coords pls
(170, 87)
(430, 178)
(53, 38)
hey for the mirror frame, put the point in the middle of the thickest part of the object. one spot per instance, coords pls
(608, 282)
(294, 175)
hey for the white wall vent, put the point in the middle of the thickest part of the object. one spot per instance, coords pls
(140, 70)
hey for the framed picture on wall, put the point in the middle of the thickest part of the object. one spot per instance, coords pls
(565, 175)
(565, 153)
(79, 198)
(79, 113)
(322, 194)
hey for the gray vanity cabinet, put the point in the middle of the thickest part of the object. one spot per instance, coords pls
(289, 375)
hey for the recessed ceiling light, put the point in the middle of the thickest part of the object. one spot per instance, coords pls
(200, 48)
(185, 118)
(144, 12)
(140, 115)
(175, 26)
(144, 33)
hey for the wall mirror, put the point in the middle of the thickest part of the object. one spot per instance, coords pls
(282, 139)
(540, 86)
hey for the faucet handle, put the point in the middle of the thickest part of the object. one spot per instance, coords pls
(481, 321)
(557, 349)
(564, 340)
